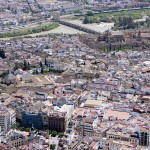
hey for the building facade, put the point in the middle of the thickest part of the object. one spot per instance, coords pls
(144, 138)
(56, 121)
(7, 118)
(31, 119)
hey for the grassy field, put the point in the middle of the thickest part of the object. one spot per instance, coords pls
(114, 16)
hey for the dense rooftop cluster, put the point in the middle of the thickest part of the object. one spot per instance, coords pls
(19, 14)
(57, 83)
(74, 91)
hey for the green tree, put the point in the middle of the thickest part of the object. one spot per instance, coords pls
(16, 67)
(50, 70)
(110, 47)
(2, 54)
(29, 66)
(90, 13)
(3, 74)
(15, 126)
(25, 65)
(61, 134)
(54, 133)
(27, 129)
(45, 61)
(36, 71)
(50, 132)
(21, 128)
(41, 65)
(52, 146)
(86, 20)
(42, 70)
(36, 130)
(77, 11)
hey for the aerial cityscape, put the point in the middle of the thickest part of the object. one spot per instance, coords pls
(74, 74)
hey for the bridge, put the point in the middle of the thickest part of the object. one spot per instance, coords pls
(78, 27)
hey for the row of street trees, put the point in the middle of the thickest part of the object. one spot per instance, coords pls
(26, 31)
(43, 67)
(55, 133)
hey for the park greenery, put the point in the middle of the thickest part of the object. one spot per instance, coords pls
(26, 31)
(113, 48)
(128, 23)
(122, 20)
(44, 68)
(51, 132)
(24, 129)
(55, 133)
(52, 146)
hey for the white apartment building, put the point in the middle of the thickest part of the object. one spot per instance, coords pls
(7, 118)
